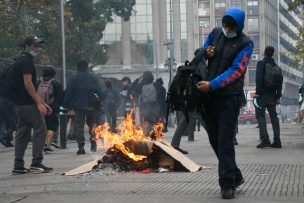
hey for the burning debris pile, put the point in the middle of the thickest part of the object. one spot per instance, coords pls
(134, 150)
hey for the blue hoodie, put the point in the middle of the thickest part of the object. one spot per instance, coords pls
(239, 64)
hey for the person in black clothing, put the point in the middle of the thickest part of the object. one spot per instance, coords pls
(83, 94)
(228, 54)
(30, 109)
(52, 120)
(7, 122)
(127, 95)
(111, 104)
(267, 98)
(161, 98)
(148, 94)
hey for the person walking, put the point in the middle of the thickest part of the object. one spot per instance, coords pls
(111, 104)
(83, 95)
(51, 91)
(30, 109)
(228, 54)
(267, 97)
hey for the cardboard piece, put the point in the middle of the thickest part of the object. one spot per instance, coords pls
(177, 155)
(163, 144)
(82, 169)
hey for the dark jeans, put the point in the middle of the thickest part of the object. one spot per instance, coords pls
(7, 128)
(221, 116)
(268, 103)
(71, 133)
(81, 117)
(111, 118)
(181, 129)
(28, 118)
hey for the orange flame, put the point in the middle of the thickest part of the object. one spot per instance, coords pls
(128, 131)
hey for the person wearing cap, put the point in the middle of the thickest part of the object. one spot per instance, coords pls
(30, 109)
(228, 54)
(54, 88)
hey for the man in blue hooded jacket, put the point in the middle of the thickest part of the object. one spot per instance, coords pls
(228, 54)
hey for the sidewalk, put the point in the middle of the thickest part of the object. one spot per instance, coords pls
(271, 175)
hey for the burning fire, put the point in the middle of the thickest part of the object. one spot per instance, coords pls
(128, 131)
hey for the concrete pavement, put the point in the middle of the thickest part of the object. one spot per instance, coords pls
(271, 175)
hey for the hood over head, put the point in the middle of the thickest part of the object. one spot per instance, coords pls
(238, 15)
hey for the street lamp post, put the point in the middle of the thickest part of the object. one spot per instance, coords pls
(62, 2)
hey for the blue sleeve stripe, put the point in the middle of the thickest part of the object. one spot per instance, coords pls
(209, 40)
(235, 71)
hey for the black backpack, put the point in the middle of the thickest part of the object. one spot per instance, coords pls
(8, 88)
(94, 101)
(273, 76)
(183, 94)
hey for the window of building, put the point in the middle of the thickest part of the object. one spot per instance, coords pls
(220, 7)
(236, 3)
(251, 74)
(253, 3)
(253, 7)
(204, 23)
(253, 24)
(256, 40)
(218, 22)
(204, 8)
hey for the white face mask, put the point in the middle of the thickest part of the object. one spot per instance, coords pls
(34, 54)
(229, 34)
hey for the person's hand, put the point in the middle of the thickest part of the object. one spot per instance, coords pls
(203, 86)
(42, 109)
(254, 95)
(210, 51)
(49, 109)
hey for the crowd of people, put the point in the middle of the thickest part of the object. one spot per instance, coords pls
(35, 109)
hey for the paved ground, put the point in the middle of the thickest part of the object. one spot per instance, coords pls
(272, 175)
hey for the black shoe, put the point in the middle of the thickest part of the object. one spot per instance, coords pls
(9, 144)
(20, 170)
(54, 144)
(239, 181)
(264, 145)
(182, 151)
(71, 137)
(235, 142)
(48, 150)
(276, 144)
(227, 193)
(40, 168)
(93, 146)
(2, 142)
(81, 151)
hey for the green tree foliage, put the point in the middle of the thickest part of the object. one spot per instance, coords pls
(85, 21)
(298, 7)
